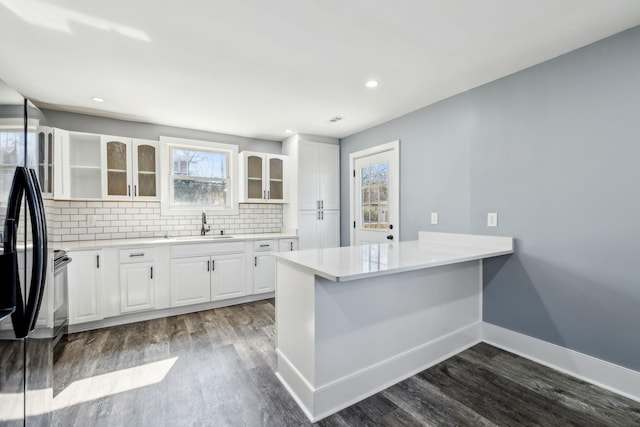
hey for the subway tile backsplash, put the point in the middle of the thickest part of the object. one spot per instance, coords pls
(106, 220)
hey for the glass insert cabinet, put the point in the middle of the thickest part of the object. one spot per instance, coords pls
(97, 167)
(129, 168)
(264, 177)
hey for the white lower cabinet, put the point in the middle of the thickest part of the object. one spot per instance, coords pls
(207, 272)
(264, 267)
(85, 287)
(228, 274)
(190, 280)
(137, 279)
(112, 282)
(137, 287)
(287, 245)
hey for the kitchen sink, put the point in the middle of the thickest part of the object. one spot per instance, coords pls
(211, 237)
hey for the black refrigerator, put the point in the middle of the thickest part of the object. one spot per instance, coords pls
(26, 346)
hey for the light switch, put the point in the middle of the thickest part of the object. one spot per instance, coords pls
(434, 217)
(492, 219)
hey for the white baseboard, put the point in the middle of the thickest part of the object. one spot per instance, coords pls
(320, 402)
(615, 378)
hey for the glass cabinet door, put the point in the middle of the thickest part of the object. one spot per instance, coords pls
(117, 179)
(45, 160)
(146, 171)
(254, 177)
(276, 179)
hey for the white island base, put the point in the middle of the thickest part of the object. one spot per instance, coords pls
(353, 321)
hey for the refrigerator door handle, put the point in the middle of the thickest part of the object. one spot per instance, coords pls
(25, 183)
(43, 248)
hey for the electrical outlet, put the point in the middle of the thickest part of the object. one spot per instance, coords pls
(492, 219)
(434, 218)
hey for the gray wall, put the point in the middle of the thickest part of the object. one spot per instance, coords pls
(554, 150)
(107, 126)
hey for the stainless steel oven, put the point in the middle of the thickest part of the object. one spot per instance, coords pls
(60, 295)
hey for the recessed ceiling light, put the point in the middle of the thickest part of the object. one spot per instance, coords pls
(371, 83)
(288, 131)
(97, 99)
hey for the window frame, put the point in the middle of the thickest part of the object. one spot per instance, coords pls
(167, 207)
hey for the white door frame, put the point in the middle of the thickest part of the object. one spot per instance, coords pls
(393, 146)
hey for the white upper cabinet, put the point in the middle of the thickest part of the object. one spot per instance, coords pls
(146, 176)
(45, 160)
(84, 166)
(318, 176)
(264, 178)
(61, 171)
(129, 168)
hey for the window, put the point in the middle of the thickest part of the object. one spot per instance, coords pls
(12, 153)
(375, 200)
(201, 176)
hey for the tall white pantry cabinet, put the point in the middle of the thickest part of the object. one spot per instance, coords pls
(314, 211)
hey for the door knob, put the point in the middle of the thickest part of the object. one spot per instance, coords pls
(390, 237)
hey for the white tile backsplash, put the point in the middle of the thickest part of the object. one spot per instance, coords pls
(68, 221)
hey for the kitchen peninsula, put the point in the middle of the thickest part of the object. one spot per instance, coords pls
(352, 321)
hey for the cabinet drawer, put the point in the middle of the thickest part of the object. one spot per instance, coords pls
(199, 249)
(264, 245)
(136, 255)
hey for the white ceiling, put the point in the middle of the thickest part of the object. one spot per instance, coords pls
(257, 67)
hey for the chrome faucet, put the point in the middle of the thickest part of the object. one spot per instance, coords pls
(204, 230)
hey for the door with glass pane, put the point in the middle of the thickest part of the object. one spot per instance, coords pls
(145, 169)
(255, 178)
(276, 176)
(45, 160)
(117, 156)
(376, 198)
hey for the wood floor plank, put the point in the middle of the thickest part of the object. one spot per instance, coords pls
(223, 375)
(602, 406)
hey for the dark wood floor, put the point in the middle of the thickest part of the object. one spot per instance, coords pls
(224, 376)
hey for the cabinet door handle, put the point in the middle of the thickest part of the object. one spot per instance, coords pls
(129, 189)
(291, 244)
(97, 261)
(213, 265)
(268, 194)
(135, 191)
(317, 204)
(152, 272)
(208, 266)
(136, 254)
(264, 194)
(321, 204)
(322, 215)
(255, 261)
(266, 245)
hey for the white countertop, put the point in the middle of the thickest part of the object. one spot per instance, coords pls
(431, 250)
(156, 241)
